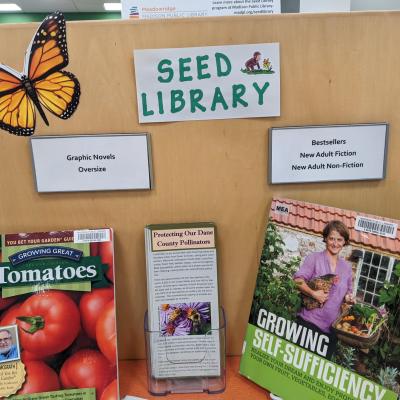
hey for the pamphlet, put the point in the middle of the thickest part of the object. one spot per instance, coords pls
(57, 316)
(183, 308)
(324, 321)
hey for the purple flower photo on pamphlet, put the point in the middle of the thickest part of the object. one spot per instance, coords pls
(184, 319)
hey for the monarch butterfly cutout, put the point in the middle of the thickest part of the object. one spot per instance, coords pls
(42, 83)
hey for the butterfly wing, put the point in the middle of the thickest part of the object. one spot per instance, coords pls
(47, 52)
(46, 84)
(17, 113)
(56, 90)
(59, 92)
(10, 80)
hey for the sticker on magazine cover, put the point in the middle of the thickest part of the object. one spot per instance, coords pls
(375, 226)
(89, 236)
(283, 209)
(12, 377)
(12, 370)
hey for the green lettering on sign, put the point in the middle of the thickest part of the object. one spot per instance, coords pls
(177, 97)
(237, 92)
(261, 92)
(218, 99)
(184, 68)
(224, 66)
(195, 96)
(146, 112)
(160, 102)
(201, 67)
(164, 68)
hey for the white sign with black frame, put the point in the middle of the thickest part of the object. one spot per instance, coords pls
(92, 162)
(327, 153)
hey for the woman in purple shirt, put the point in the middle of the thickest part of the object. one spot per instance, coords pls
(336, 236)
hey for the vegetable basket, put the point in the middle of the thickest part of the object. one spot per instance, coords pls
(352, 339)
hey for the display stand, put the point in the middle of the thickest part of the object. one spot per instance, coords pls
(209, 384)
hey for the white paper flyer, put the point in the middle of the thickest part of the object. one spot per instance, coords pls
(183, 309)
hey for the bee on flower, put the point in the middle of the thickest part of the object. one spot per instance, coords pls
(185, 319)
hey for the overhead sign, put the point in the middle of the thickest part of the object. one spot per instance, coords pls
(156, 9)
(327, 153)
(215, 82)
(318, 6)
(92, 162)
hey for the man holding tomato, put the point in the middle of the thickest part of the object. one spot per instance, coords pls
(8, 350)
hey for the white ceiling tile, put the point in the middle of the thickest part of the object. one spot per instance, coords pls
(90, 5)
(44, 5)
(31, 6)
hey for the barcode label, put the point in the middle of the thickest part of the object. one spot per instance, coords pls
(90, 236)
(381, 228)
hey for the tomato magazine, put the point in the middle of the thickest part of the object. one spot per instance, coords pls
(57, 316)
(324, 321)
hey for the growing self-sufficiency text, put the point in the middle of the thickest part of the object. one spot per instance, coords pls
(289, 342)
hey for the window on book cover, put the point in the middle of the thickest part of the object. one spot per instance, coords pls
(372, 271)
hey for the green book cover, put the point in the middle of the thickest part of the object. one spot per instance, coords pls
(324, 321)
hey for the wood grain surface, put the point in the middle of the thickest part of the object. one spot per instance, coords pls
(335, 69)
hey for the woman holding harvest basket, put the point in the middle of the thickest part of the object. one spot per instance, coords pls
(325, 280)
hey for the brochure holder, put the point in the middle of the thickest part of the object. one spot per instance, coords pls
(196, 384)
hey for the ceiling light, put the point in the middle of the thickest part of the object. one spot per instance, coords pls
(112, 6)
(10, 7)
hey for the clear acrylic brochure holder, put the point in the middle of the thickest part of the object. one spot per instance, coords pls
(194, 384)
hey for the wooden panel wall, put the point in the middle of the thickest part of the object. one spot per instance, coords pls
(337, 68)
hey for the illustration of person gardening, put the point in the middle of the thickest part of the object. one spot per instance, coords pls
(253, 62)
(252, 65)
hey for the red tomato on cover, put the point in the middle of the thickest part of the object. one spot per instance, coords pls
(39, 378)
(87, 369)
(49, 322)
(27, 356)
(106, 254)
(82, 342)
(94, 249)
(111, 391)
(106, 333)
(9, 317)
(4, 303)
(75, 296)
(91, 306)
